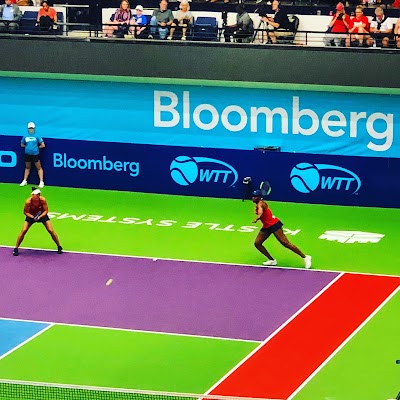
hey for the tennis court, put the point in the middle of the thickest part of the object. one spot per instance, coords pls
(190, 309)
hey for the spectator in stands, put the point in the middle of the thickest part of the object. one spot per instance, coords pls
(10, 15)
(120, 20)
(278, 25)
(359, 25)
(214, 1)
(381, 29)
(397, 33)
(243, 28)
(24, 3)
(139, 21)
(338, 27)
(183, 20)
(47, 17)
(161, 20)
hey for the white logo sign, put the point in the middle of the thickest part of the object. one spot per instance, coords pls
(180, 109)
(351, 236)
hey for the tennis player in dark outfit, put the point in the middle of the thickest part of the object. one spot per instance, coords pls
(272, 225)
(36, 210)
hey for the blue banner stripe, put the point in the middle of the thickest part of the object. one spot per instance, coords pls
(192, 171)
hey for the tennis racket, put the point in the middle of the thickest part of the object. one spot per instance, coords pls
(36, 217)
(265, 188)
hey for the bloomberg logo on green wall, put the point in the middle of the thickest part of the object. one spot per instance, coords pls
(312, 122)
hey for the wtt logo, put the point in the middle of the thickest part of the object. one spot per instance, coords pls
(186, 170)
(8, 159)
(307, 177)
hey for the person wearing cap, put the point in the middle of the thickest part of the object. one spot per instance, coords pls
(272, 225)
(139, 22)
(36, 210)
(32, 143)
(338, 27)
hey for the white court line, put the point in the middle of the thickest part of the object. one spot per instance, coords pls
(124, 390)
(343, 344)
(132, 330)
(26, 341)
(205, 262)
(275, 333)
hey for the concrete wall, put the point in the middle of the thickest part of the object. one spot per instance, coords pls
(211, 61)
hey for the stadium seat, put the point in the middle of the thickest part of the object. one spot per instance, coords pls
(28, 21)
(290, 38)
(205, 28)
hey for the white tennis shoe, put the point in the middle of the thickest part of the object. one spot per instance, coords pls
(270, 263)
(41, 184)
(23, 183)
(307, 262)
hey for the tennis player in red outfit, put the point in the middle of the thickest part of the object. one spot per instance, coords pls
(36, 210)
(271, 224)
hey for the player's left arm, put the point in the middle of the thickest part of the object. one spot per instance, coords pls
(41, 145)
(27, 208)
(259, 211)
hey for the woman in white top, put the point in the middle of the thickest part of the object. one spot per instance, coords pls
(183, 18)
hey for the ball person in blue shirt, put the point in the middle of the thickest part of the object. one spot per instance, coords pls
(32, 143)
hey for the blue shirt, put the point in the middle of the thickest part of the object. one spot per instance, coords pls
(8, 13)
(142, 20)
(32, 143)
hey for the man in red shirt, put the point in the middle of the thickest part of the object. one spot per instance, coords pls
(271, 224)
(338, 27)
(359, 24)
(36, 210)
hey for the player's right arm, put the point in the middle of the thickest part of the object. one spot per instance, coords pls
(27, 209)
(23, 142)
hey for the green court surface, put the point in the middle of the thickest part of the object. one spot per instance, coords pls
(125, 359)
(348, 375)
(206, 229)
(210, 230)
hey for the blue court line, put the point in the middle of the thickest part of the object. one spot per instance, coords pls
(14, 333)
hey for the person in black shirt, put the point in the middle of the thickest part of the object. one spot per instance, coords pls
(279, 21)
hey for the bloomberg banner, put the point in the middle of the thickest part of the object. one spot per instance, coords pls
(351, 124)
(192, 171)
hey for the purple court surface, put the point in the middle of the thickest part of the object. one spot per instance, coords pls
(164, 296)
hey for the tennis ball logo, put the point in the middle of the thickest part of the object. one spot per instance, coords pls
(305, 177)
(184, 170)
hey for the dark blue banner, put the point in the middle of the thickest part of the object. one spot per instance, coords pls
(193, 171)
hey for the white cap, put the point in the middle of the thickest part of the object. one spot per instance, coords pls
(139, 7)
(31, 125)
(36, 191)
